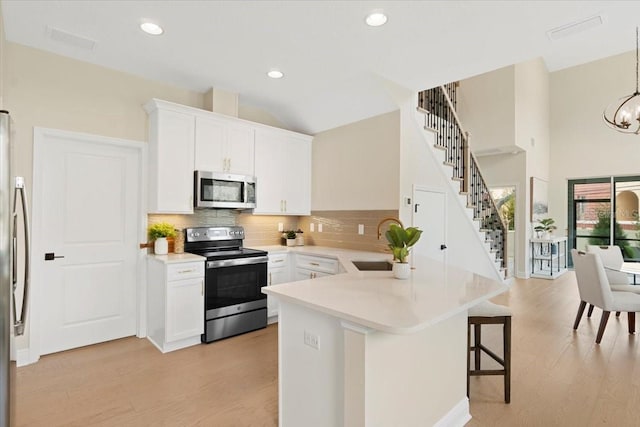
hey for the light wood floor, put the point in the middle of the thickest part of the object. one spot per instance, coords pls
(560, 378)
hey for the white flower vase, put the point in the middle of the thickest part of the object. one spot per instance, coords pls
(401, 270)
(161, 246)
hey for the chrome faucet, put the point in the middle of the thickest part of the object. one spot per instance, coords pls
(385, 220)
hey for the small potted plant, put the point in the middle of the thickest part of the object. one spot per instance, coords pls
(158, 234)
(291, 237)
(545, 228)
(401, 241)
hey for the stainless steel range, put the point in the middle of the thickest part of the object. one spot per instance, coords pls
(234, 276)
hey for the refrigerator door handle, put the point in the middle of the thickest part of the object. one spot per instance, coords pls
(19, 322)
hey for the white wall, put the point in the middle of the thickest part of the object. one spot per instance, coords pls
(516, 114)
(582, 145)
(532, 115)
(486, 110)
(356, 166)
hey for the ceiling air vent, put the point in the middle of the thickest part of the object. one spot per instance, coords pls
(70, 38)
(575, 27)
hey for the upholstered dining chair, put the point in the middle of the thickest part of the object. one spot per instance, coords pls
(594, 288)
(612, 260)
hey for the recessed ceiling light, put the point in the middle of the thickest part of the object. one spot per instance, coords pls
(275, 74)
(376, 19)
(151, 28)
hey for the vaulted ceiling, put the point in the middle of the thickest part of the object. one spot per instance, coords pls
(335, 66)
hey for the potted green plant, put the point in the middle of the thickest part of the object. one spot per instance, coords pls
(158, 234)
(291, 237)
(401, 241)
(545, 228)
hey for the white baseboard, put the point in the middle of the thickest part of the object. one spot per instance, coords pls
(24, 357)
(458, 416)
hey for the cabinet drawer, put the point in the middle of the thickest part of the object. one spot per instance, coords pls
(278, 260)
(185, 270)
(326, 265)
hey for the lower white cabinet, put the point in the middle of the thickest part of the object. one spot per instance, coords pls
(312, 267)
(305, 274)
(289, 267)
(278, 272)
(175, 303)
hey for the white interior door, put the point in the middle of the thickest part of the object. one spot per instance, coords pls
(87, 211)
(430, 215)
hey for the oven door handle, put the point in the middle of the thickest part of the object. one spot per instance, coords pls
(237, 261)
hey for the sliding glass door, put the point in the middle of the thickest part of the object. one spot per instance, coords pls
(592, 205)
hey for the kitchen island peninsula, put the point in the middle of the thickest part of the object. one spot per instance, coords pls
(365, 349)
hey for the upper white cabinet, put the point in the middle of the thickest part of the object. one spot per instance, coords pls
(224, 146)
(171, 148)
(283, 172)
(184, 139)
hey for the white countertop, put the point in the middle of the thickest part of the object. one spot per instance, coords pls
(176, 258)
(375, 299)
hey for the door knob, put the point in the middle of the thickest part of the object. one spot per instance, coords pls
(50, 256)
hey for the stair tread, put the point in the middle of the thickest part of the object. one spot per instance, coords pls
(448, 164)
(422, 110)
(438, 146)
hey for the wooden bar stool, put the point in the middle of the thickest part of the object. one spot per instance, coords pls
(488, 313)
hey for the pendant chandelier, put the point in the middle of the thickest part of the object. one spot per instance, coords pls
(624, 114)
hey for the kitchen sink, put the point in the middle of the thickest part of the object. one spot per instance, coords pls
(373, 265)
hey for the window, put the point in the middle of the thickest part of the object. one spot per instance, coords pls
(592, 204)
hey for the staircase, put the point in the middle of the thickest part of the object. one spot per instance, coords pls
(438, 105)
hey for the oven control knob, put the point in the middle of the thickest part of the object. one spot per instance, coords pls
(196, 234)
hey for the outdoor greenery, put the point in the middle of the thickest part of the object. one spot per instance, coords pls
(600, 234)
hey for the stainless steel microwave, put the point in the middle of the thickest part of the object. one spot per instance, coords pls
(223, 190)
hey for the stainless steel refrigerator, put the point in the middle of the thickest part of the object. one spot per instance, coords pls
(12, 196)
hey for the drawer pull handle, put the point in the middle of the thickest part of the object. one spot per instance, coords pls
(314, 263)
(186, 271)
(278, 260)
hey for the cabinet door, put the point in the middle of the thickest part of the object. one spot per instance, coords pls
(209, 144)
(298, 180)
(171, 162)
(240, 149)
(276, 276)
(185, 309)
(304, 274)
(270, 163)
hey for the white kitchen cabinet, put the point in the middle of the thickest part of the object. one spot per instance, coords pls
(224, 145)
(283, 172)
(175, 303)
(305, 274)
(171, 149)
(278, 272)
(312, 267)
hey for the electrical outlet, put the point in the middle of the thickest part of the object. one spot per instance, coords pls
(311, 339)
(280, 226)
(360, 228)
(312, 227)
(319, 228)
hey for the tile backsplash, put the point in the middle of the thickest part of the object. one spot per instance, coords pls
(260, 230)
(339, 228)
